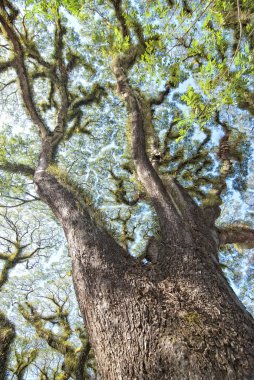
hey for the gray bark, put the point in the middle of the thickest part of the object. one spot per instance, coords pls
(177, 319)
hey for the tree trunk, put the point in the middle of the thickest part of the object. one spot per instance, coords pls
(176, 319)
(7, 334)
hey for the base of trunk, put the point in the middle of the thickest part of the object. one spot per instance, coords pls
(177, 330)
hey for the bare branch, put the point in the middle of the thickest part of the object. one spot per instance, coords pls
(5, 85)
(21, 200)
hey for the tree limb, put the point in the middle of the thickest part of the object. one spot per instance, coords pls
(237, 234)
(213, 200)
(63, 84)
(19, 64)
(117, 4)
(159, 99)
(5, 65)
(11, 167)
(164, 203)
(55, 341)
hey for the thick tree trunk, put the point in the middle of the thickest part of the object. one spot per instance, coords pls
(179, 322)
(177, 319)
(7, 334)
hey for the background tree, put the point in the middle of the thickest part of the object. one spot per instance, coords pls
(176, 150)
(25, 246)
(52, 344)
(16, 249)
(75, 359)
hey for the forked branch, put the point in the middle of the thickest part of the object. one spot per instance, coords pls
(164, 202)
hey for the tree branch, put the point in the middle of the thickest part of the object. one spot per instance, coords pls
(35, 319)
(117, 4)
(59, 341)
(19, 64)
(21, 200)
(6, 65)
(237, 234)
(59, 130)
(82, 359)
(213, 200)
(94, 96)
(11, 167)
(23, 360)
(159, 99)
(164, 203)
(245, 99)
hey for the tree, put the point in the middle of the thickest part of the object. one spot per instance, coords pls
(50, 342)
(170, 313)
(12, 255)
(23, 239)
(75, 358)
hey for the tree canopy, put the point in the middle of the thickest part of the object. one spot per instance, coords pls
(67, 71)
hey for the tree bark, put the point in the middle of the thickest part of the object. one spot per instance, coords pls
(177, 319)
(7, 334)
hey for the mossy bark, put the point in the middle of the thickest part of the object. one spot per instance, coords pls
(7, 334)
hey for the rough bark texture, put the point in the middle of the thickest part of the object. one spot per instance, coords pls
(7, 334)
(178, 319)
